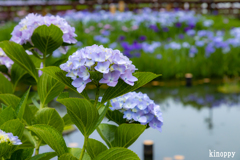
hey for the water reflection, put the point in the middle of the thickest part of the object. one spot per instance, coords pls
(196, 119)
(197, 96)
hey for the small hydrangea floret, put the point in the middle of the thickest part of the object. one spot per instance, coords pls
(5, 60)
(22, 33)
(111, 64)
(9, 138)
(138, 107)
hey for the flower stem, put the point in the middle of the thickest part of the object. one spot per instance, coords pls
(41, 106)
(83, 148)
(43, 61)
(38, 146)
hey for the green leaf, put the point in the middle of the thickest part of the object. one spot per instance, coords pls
(48, 88)
(63, 95)
(44, 156)
(102, 111)
(122, 136)
(67, 156)
(16, 128)
(22, 154)
(117, 153)
(28, 141)
(5, 85)
(7, 114)
(107, 132)
(17, 73)
(4, 106)
(20, 109)
(13, 126)
(115, 116)
(17, 53)
(4, 149)
(76, 152)
(95, 147)
(82, 113)
(47, 39)
(67, 120)
(95, 76)
(123, 88)
(28, 115)
(3, 69)
(127, 134)
(27, 46)
(60, 75)
(49, 116)
(51, 136)
(10, 100)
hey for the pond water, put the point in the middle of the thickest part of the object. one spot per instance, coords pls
(196, 120)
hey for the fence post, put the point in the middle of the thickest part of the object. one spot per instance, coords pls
(148, 150)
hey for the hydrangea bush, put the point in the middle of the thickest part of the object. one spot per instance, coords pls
(27, 122)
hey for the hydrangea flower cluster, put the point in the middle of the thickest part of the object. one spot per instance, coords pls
(111, 63)
(140, 108)
(22, 33)
(5, 60)
(9, 138)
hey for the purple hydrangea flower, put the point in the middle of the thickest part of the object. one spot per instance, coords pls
(112, 64)
(140, 108)
(5, 60)
(9, 138)
(111, 78)
(22, 33)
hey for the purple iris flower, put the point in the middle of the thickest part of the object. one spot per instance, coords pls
(209, 49)
(131, 50)
(121, 38)
(178, 25)
(154, 28)
(142, 38)
(165, 29)
(181, 36)
(193, 50)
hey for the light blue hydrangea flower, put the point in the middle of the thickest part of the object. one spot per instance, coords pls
(140, 108)
(22, 33)
(112, 64)
(9, 138)
(5, 60)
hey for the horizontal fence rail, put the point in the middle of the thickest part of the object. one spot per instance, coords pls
(10, 9)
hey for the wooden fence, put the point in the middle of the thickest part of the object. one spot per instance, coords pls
(11, 9)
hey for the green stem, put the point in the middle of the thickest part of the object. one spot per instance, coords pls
(97, 95)
(83, 148)
(43, 61)
(41, 106)
(38, 146)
